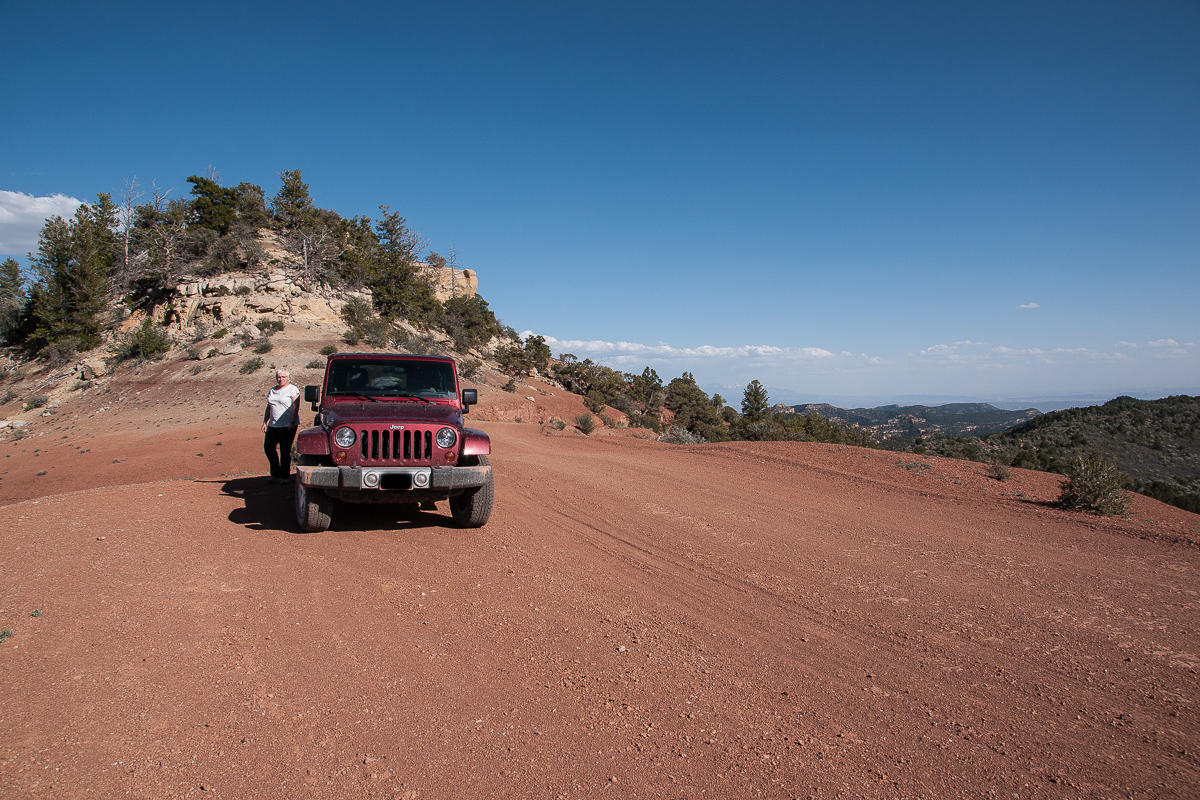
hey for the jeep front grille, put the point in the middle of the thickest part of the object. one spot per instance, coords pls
(386, 446)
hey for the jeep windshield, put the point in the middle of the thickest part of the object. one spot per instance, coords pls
(372, 378)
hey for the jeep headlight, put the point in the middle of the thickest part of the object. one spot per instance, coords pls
(446, 438)
(344, 437)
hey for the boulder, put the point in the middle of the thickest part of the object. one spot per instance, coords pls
(91, 368)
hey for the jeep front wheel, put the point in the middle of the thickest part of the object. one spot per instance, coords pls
(313, 508)
(472, 508)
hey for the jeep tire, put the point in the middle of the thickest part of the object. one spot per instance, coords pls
(313, 508)
(473, 508)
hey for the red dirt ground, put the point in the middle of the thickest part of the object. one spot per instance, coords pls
(636, 620)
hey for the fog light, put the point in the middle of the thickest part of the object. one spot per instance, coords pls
(370, 479)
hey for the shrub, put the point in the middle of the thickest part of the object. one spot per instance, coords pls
(469, 367)
(253, 365)
(145, 344)
(511, 386)
(1000, 471)
(316, 363)
(263, 345)
(37, 401)
(9, 396)
(557, 424)
(608, 421)
(647, 421)
(594, 402)
(192, 354)
(242, 291)
(220, 333)
(681, 435)
(1094, 485)
(271, 327)
(328, 350)
(586, 423)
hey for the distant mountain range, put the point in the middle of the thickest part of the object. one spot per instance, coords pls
(952, 419)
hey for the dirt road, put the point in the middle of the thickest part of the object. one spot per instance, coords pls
(637, 620)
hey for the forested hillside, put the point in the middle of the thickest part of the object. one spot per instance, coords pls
(1154, 442)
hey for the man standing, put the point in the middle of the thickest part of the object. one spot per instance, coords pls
(279, 424)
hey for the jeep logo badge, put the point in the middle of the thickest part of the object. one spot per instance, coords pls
(397, 427)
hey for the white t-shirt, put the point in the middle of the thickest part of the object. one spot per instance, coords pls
(279, 401)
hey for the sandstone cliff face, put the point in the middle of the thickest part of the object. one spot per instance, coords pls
(241, 299)
(449, 283)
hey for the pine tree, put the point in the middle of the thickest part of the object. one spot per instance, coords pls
(755, 404)
(12, 298)
(73, 266)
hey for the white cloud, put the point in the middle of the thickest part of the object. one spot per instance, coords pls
(1169, 348)
(623, 352)
(1029, 305)
(22, 217)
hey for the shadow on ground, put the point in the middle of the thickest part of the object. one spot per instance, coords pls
(268, 507)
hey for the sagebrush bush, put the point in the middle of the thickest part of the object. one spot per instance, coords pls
(557, 424)
(1000, 471)
(253, 365)
(586, 423)
(681, 435)
(37, 401)
(328, 350)
(1095, 485)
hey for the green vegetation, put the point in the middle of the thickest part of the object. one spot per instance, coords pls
(586, 423)
(5, 635)
(1094, 484)
(253, 365)
(521, 358)
(147, 343)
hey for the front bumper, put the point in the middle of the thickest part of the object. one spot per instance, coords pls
(386, 480)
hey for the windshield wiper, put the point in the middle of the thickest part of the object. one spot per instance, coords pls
(355, 394)
(415, 397)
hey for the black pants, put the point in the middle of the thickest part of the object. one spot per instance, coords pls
(281, 463)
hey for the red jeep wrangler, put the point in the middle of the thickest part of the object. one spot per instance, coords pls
(389, 429)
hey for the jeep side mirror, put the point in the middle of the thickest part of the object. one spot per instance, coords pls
(312, 395)
(469, 398)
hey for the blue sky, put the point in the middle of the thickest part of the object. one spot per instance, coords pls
(852, 200)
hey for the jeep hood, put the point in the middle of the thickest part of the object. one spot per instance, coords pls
(357, 412)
